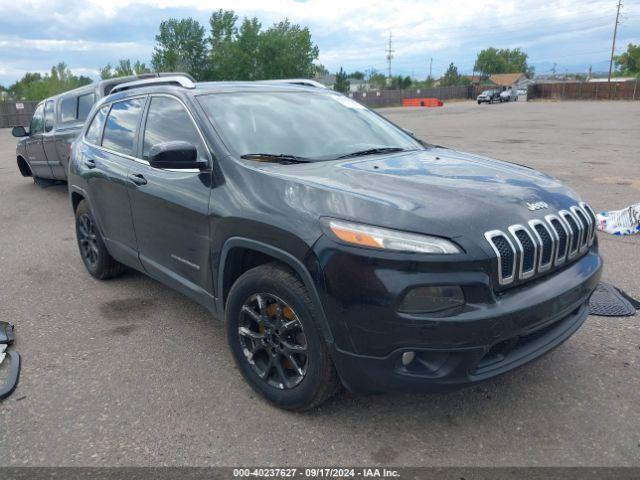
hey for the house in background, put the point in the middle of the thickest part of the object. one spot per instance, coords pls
(511, 80)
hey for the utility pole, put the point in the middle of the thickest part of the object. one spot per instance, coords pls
(430, 65)
(389, 57)
(613, 44)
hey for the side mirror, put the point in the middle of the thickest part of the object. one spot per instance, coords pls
(19, 131)
(175, 155)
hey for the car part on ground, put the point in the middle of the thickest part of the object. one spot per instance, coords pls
(610, 301)
(7, 336)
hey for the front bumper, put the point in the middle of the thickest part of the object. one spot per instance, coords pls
(493, 334)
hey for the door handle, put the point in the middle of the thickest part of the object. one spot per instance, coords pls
(90, 163)
(137, 178)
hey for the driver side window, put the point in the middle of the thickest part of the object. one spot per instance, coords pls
(37, 122)
(168, 121)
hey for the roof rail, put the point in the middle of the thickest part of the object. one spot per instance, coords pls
(181, 80)
(297, 81)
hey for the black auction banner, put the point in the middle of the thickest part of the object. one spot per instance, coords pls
(366, 472)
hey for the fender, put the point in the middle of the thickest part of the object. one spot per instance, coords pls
(285, 257)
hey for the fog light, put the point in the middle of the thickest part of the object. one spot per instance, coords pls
(432, 299)
(407, 358)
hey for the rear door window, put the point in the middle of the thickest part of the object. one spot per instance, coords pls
(85, 102)
(94, 132)
(68, 108)
(168, 121)
(49, 112)
(122, 123)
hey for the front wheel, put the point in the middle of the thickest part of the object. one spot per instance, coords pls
(272, 330)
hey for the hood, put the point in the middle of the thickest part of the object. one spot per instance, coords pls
(437, 191)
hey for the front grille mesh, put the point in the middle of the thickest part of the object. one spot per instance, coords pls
(544, 243)
(562, 237)
(506, 254)
(547, 244)
(528, 251)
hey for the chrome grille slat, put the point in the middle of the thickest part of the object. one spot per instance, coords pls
(591, 217)
(526, 257)
(542, 244)
(546, 244)
(562, 237)
(574, 232)
(504, 277)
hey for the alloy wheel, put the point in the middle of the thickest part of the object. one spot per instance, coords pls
(273, 340)
(88, 239)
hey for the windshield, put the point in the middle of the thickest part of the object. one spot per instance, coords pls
(313, 126)
(487, 92)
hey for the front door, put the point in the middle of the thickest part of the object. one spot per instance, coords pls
(170, 207)
(35, 150)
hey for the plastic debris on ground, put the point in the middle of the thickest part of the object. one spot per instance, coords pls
(609, 301)
(620, 222)
(7, 336)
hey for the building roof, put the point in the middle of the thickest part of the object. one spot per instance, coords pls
(506, 79)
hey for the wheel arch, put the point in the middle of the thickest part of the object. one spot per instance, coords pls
(232, 263)
(24, 167)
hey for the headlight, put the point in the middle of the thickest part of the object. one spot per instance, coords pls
(386, 239)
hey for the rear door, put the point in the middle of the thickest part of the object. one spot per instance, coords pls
(106, 168)
(35, 151)
(170, 207)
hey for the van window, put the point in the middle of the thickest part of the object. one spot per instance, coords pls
(168, 121)
(120, 129)
(68, 109)
(94, 132)
(37, 122)
(85, 102)
(48, 115)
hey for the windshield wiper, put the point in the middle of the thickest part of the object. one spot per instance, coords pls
(373, 151)
(278, 157)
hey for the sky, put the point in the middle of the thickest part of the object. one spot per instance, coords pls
(353, 34)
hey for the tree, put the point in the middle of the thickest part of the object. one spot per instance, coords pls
(248, 50)
(399, 82)
(180, 47)
(491, 61)
(342, 83)
(34, 86)
(452, 77)
(377, 80)
(287, 51)
(628, 63)
(357, 75)
(222, 40)
(123, 69)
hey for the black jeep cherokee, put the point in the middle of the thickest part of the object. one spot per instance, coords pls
(336, 246)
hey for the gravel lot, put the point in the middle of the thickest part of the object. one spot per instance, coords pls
(128, 372)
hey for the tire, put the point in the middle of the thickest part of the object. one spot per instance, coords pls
(479, 102)
(282, 316)
(99, 263)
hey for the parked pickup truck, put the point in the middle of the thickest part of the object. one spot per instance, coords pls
(44, 149)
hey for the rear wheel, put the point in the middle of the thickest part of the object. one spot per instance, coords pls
(93, 251)
(273, 333)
